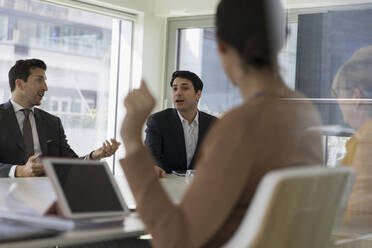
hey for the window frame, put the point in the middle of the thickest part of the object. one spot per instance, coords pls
(97, 7)
(174, 24)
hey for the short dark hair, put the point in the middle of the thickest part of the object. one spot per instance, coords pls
(21, 70)
(196, 81)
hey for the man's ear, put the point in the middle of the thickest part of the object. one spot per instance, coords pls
(198, 95)
(222, 46)
(19, 84)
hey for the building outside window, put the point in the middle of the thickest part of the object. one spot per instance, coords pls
(77, 47)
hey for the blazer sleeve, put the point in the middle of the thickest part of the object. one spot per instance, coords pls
(4, 169)
(64, 148)
(154, 141)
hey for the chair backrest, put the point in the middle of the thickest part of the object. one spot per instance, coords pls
(295, 208)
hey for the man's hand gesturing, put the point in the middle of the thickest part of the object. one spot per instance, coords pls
(31, 169)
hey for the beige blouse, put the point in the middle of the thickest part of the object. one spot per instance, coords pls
(264, 133)
(358, 215)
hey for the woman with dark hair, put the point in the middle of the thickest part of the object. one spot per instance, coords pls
(268, 131)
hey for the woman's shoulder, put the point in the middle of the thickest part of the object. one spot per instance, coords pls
(245, 110)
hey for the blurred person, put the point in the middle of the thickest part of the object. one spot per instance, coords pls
(267, 131)
(27, 132)
(174, 135)
(353, 87)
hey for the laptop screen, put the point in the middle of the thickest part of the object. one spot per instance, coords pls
(87, 187)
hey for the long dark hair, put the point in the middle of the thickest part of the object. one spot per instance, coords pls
(247, 25)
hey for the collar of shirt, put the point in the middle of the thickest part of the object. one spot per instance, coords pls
(194, 122)
(17, 107)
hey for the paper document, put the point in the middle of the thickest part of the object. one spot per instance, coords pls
(19, 207)
(18, 201)
(61, 224)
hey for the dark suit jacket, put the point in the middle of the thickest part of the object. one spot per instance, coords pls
(52, 138)
(165, 138)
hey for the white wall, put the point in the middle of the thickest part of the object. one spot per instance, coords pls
(185, 8)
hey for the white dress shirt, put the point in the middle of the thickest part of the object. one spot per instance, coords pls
(20, 118)
(191, 134)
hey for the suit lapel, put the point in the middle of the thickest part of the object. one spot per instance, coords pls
(202, 129)
(14, 128)
(40, 131)
(177, 130)
(201, 132)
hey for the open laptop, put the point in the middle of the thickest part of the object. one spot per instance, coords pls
(85, 189)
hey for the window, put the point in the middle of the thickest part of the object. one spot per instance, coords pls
(197, 52)
(76, 106)
(82, 58)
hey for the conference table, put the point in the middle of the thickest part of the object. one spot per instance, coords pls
(364, 241)
(39, 190)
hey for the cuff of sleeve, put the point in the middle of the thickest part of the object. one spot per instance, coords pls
(12, 171)
(91, 155)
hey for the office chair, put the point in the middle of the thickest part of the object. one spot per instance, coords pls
(295, 208)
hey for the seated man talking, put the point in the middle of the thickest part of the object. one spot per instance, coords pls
(174, 135)
(28, 132)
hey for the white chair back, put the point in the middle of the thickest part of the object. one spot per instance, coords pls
(295, 208)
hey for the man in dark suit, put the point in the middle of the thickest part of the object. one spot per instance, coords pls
(26, 132)
(174, 135)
